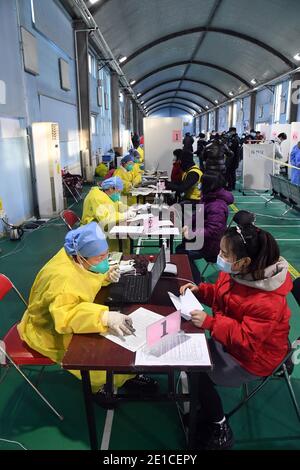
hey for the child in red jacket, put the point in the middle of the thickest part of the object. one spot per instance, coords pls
(250, 323)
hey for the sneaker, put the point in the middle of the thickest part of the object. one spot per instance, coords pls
(141, 384)
(220, 437)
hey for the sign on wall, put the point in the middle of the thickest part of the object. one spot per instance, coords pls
(177, 136)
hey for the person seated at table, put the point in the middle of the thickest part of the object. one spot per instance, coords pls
(137, 167)
(215, 200)
(250, 323)
(125, 173)
(191, 179)
(176, 175)
(61, 302)
(103, 204)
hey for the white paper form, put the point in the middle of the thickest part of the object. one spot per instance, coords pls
(123, 229)
(140, 217)
(141, 318)
(180, 349)
(164, 231)
(185, 303)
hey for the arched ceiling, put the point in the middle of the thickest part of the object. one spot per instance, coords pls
(200, 50)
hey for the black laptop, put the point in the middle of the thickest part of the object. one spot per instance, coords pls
(138, 289)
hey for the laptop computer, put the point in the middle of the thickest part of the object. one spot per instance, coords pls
(138, 289)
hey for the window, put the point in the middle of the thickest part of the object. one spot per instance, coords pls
(289, 98)
(90, 63)
(93, 124)
(277, 102)
(234, 114)
(32, 11)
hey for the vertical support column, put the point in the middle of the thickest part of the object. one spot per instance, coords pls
(295, 98)
(83, 96)
(217, 119)
(135, 117)
(252, 109)
(115, 109)
(141, 125)
(230, 115)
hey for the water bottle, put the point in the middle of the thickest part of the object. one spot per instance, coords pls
(156, 200)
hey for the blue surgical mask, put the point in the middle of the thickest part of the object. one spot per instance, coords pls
(101, 267)
(225, 266)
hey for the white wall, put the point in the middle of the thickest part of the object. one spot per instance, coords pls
(158, 142)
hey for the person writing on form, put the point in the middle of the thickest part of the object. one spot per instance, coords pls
(250, 323)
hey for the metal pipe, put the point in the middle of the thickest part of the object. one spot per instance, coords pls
(103, 46)
(247, 92)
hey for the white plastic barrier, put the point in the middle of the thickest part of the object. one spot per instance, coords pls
(258, 164)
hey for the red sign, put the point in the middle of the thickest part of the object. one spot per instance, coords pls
(177, 137)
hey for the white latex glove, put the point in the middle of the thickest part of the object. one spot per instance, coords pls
(114, 273)
(185, 231)
(119, 324)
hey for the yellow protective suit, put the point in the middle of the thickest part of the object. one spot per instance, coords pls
(141, 152)
(137, 174)
(126, 177)
(101, 170)
(98, 206)
(60, 304)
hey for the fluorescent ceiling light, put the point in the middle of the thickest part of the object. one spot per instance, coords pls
(254, 81)
(230, 93)
(132, 82)
(139, 94)
(297, 56)
(142, 102)
(216, 101)
(207, 107)
(122, 59)
(93, 1)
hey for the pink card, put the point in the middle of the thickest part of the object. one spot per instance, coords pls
(151, 224)
(161, 328)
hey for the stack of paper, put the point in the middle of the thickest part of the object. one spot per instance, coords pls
(173, 350)
(141, 318)
(186, 303)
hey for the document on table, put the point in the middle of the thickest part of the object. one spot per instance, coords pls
(140, 217)
(185, 303)
(141, 318)
(122, 229)
(180, 349)
(164, 231)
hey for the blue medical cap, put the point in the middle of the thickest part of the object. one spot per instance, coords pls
(113, 182)
(87, 240)
(127, 158)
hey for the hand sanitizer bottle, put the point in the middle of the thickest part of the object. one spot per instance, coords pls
(167, 250)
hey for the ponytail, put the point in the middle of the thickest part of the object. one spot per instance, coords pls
(247, 240)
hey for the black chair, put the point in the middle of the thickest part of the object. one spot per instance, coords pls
(283, 371)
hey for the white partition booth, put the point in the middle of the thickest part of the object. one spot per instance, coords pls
(258, 164)
(161, 137)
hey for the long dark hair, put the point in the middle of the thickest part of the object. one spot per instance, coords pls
(247, 240)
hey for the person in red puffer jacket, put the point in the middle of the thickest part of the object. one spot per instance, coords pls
(176, 175)
(250, 323)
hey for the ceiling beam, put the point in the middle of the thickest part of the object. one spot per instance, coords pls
(165, 82)
(184, 91)
(157, 108)
(211, 29)
(169, 100)
(194, 62)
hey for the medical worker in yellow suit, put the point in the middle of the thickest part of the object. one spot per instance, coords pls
(103, 204)
(126, 174)
(137, 170)
(61, 302)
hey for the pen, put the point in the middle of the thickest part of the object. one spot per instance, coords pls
(130, 327)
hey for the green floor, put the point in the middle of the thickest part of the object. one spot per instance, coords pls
(268, 422)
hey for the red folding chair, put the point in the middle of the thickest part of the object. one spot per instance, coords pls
(15, 352)
(70, 218)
